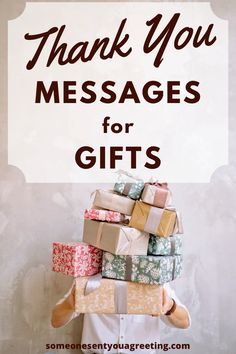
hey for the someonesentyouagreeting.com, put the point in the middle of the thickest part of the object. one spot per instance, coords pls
(120, 346)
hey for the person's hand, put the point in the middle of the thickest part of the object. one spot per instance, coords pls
(64, 311)
(167, 301)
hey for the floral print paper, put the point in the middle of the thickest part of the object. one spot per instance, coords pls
(144, 269)
(129, 185)
(140, 298)
(104, 215)
(76, 259)
(165, 246)
(134, 190)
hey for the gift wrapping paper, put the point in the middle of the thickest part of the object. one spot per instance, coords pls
(113, 201)
(112, 296)
(157, 221)
(76, 259)
(115, 238)
(104, 215)
(128, 185)
(142, 269)
(165, 246)
(157, 195)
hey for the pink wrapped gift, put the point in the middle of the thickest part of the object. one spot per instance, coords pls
(156, 194)
(76, 259)
(104, 215)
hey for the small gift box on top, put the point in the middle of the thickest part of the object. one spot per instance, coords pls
(156, 194)
(128, 185)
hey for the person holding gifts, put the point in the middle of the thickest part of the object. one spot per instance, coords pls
(125, 300)
(124, 333)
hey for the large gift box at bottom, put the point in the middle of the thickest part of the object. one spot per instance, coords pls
(142, 269)
(113, 296)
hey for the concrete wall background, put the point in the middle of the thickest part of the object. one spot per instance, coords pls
(32, 216)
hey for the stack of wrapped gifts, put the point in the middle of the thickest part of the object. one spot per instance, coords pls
(131, 246)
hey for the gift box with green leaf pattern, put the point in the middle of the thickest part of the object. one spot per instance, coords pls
(165, 246)
(142, 269)
(129, 186)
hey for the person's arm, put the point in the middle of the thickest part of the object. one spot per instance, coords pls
(64, 311)
(179, 316)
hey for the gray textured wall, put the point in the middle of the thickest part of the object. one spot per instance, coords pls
(34, 215)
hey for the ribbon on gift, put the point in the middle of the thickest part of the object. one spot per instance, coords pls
(154, 219)
(127, 185)
(178, 228)
(160, 194)
(177, 260)
(127, 188)
(174, 267)
(128, 267)
(99, 234)
(120, 294)
(163, 185)
(93, 283)
(161, 197)
(128, 234)
(130, 240)
(172, 245)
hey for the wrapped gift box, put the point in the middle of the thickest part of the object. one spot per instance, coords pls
(142, 269)
(157, 195)
(128, 185)
(113, 201)
(111, 296)
(165, 246)
(115, 238)
(76, 259)
(157, 221)
(104, 215)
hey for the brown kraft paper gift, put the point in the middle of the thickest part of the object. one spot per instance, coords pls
(156, 221)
